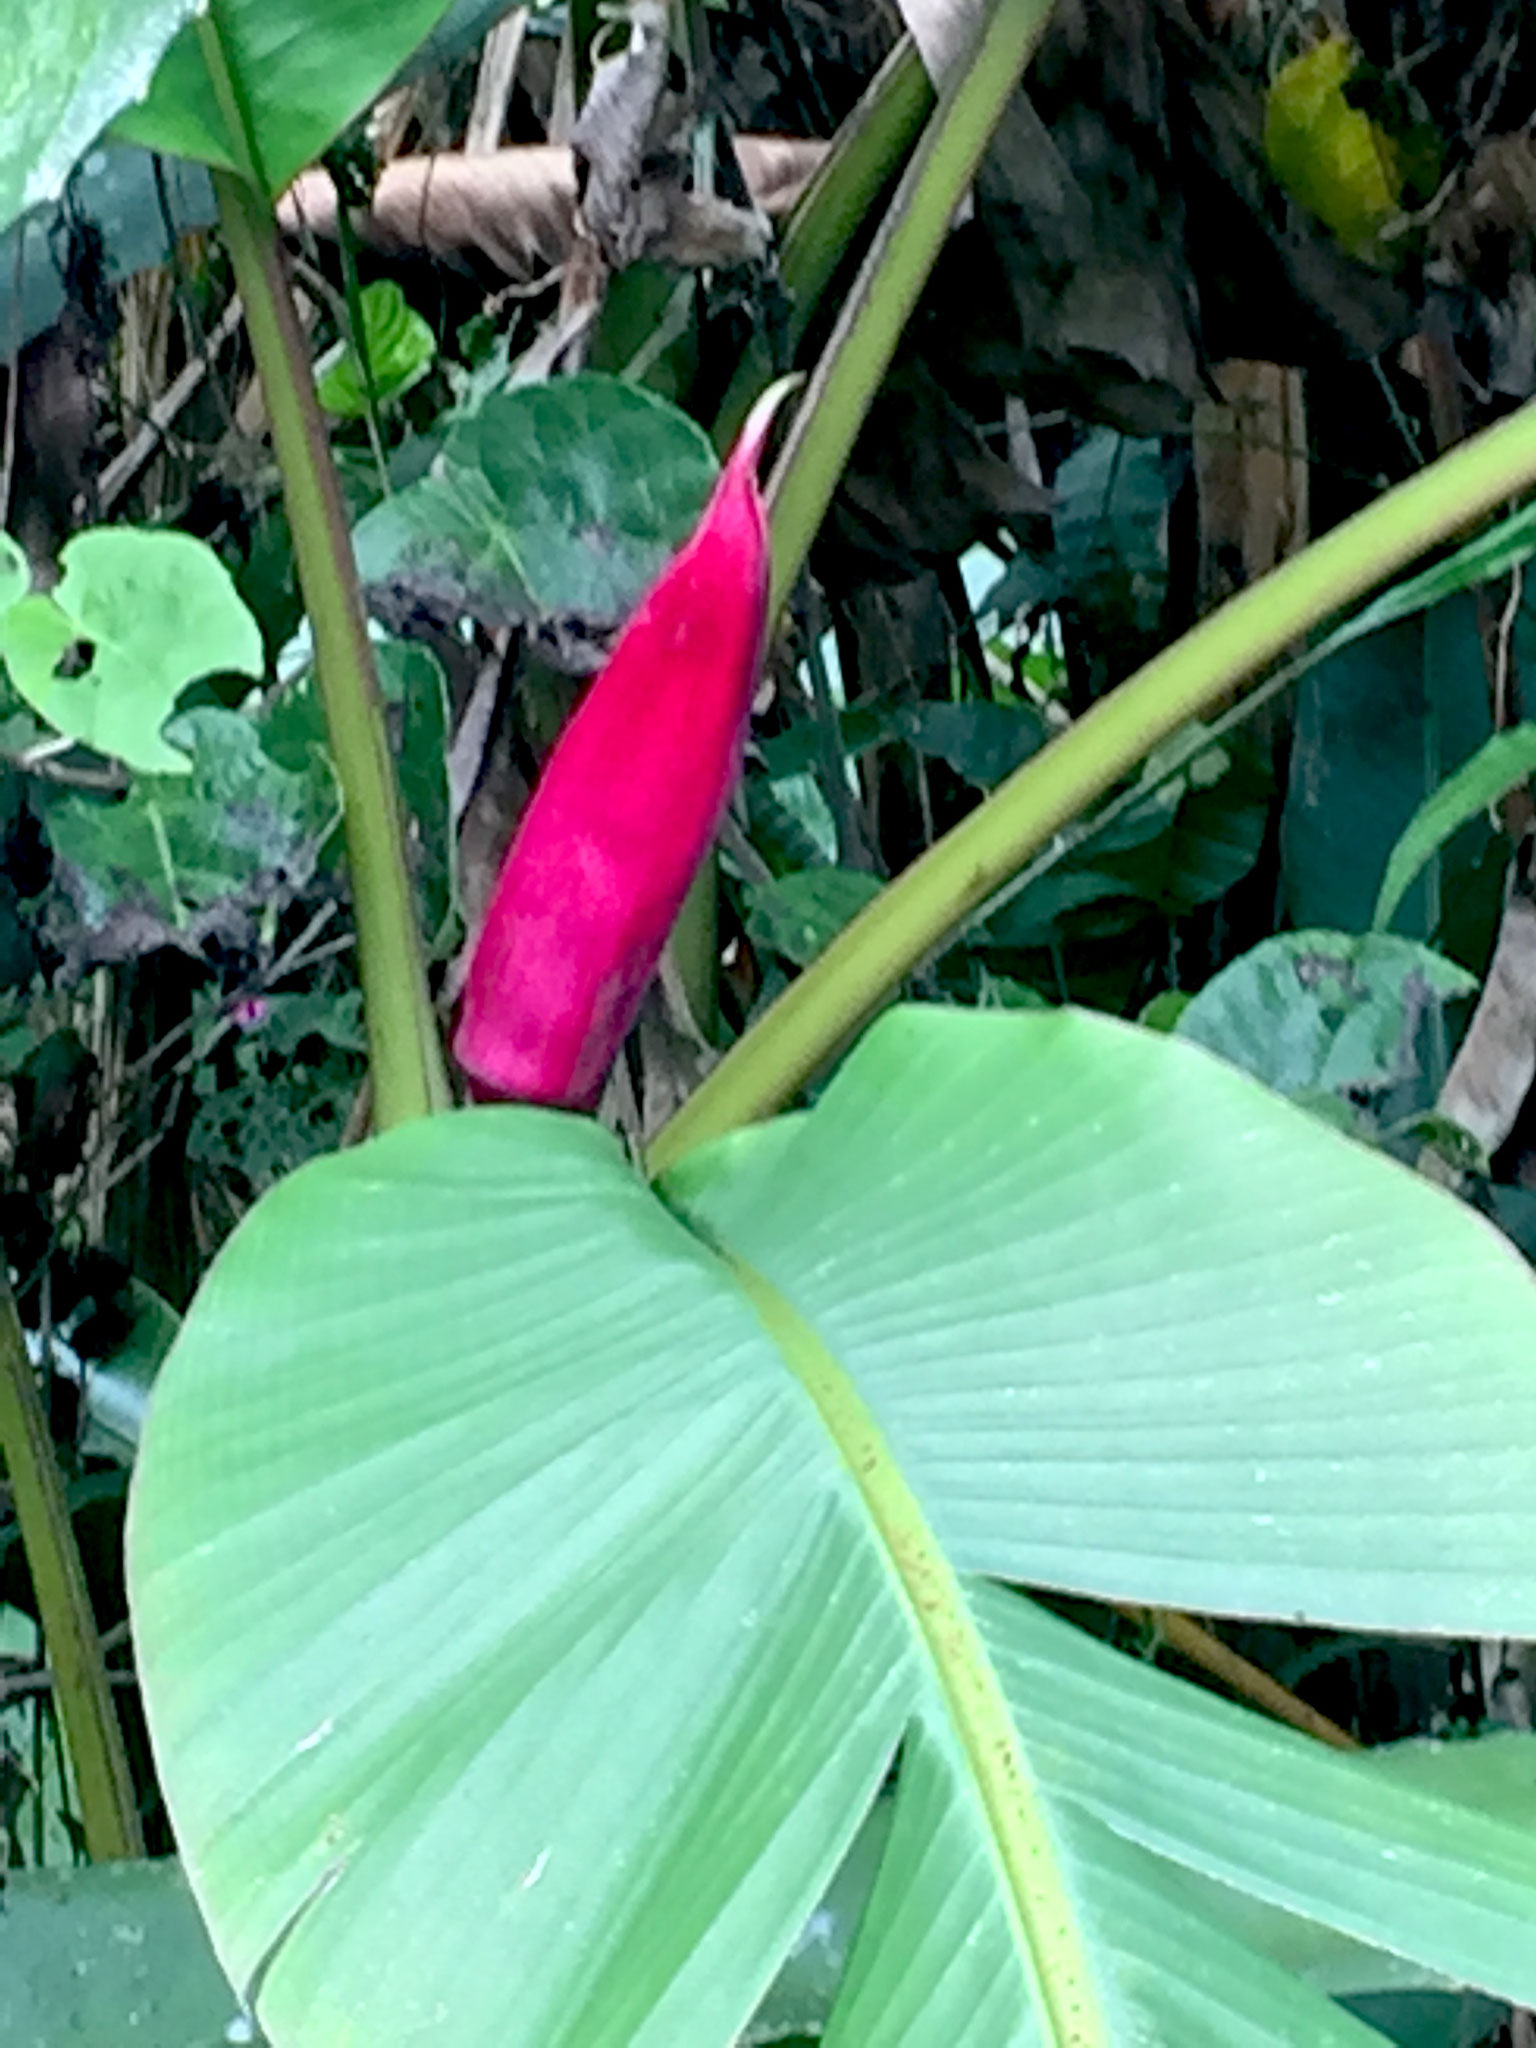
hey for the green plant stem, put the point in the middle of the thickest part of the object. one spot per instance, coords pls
(864, 158)
(346, 243)
(82, 1691)
(867, 960)
(863, 162)
(405, 1056)
(1196, 1644)
(890, 279)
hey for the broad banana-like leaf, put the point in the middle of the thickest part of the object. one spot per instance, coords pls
(536, 1577)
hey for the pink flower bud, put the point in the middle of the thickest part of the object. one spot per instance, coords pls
(624, 812)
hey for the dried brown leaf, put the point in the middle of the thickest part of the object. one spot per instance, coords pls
(1492, 1072)
(511, 213)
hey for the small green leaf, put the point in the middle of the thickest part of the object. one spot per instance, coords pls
(799, 915)
(400, 347)
(148, 613)
(1165, 1009)
(1324, 1010)
(1499, 763)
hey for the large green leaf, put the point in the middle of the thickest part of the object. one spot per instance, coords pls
(533, 1583)
(1309, 1011)
(302, 69)
(554, 502)
(102, 1956)
(68, 69)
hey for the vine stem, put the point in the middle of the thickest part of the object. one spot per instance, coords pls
(870, 957)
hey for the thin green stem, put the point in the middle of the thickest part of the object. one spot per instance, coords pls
(863, 162)
(890, 279)
(867, 961)
(357, 334)
(82, 1690)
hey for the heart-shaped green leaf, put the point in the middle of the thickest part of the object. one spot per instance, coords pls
(554, 502)
(147, 614)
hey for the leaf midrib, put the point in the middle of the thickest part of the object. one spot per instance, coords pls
(1035, 1891)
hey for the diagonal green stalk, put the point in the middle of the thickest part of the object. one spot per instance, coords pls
(867, 961)
(865, 156)
(82, 1691)
(405, 1055)
(890, 279)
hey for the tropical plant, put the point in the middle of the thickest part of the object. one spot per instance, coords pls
(555, 1574)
